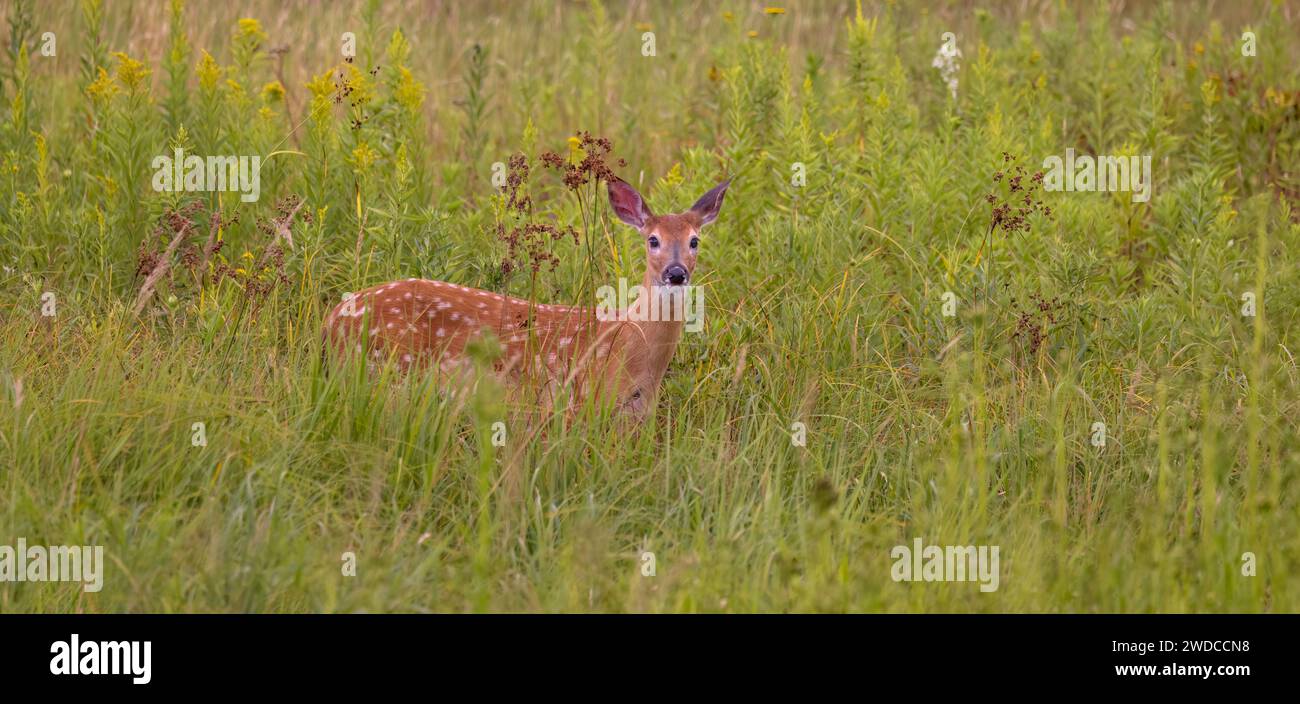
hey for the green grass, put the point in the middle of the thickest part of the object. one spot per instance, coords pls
(824, 306)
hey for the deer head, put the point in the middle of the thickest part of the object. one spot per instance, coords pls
(672, 241)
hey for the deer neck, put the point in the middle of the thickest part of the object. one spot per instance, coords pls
(646, 337)
(660, 329)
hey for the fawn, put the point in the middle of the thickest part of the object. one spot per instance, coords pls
(572, 352)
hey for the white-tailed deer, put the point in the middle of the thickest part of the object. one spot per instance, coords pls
(569, 352)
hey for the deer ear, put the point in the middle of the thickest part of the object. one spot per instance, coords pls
(707, 207)
(628, 204)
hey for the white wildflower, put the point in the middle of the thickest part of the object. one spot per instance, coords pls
(947, 61)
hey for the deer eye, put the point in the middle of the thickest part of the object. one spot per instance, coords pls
(695, 243)
(654, 242)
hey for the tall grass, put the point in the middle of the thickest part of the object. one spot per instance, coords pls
(824, 307)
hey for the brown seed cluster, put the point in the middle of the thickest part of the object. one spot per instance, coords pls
(343, 90)
(592, 166)
(528, 243)
(1034, 322)
(1011, 214)
(258, 277)
(172, 223)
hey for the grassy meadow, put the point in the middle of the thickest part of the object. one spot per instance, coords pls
(897, 344)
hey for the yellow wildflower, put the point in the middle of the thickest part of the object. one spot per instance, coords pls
(321, 86)
(1280, 98)
(130, 73)
(576, 152)
(398, 49)
(250, 29)
(208, 72)
(774, 10)
(359, 82)
(1211, 91)
(104, 88)
(363, 157)
(273, 92)
(674, 176)
(410, 92)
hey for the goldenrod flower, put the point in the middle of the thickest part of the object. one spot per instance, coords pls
(409, 92)
(674, 176)
(359, 83)
(208, 72)
(398, 49)
(576, 152)
(363, 157)
(774, 10)
(250, 29)
(1210, 90)
(273, 92)
(130, 73)
(1280, 98)
(104, 88)
(321, 86)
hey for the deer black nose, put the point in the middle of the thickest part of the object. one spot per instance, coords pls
(675, 275)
